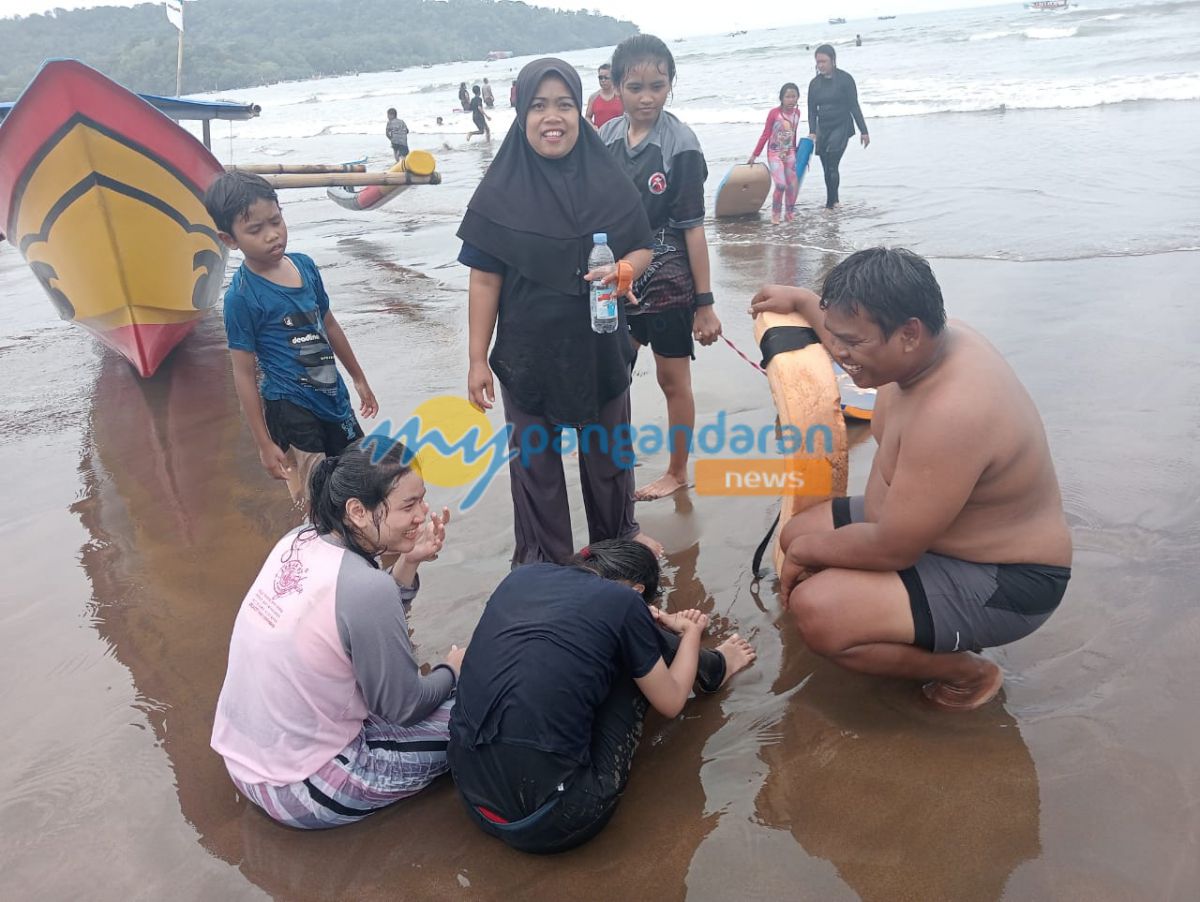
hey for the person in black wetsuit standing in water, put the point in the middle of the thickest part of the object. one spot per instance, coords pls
(833, 111)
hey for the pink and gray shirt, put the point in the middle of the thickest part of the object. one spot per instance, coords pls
(320, 642)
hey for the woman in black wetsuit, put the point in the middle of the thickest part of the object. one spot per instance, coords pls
(833, 111)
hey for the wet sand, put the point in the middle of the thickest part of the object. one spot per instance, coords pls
(137, 514)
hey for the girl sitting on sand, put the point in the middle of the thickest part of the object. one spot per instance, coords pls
(527, 234)
(324, 716)
(558, 677)
(663, 159)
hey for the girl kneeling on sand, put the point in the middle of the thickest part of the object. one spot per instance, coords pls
(324, 717)
(558, 676)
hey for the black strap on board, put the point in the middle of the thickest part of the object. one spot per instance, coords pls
(780, 339)
(762, 548)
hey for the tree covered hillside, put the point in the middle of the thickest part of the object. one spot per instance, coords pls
(233, 43)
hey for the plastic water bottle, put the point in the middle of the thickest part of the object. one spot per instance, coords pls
(604, 297)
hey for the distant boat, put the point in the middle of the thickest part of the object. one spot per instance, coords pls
(884, 18)
(494, 55)
(837, 21)
(1048, 4)
(734, 34)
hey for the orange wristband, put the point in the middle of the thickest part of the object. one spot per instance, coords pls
(624, 276)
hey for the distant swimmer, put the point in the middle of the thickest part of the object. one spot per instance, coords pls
(489, 99)
(960, 541)
(604, 104)
(464, 96)
(858, 40)
(833, 111)
(478, 116)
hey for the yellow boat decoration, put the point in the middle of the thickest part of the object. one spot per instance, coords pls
(101, 193)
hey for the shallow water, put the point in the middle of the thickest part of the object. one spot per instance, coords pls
(137, 514)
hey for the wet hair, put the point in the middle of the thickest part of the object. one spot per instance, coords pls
(336, 480)
(789, 86)
(828, 50)
(391, 112)
(603, 66)
(232, 195)
(475, 90)
(891, 285)
(462, 85)
(622, 560)
(639, 49)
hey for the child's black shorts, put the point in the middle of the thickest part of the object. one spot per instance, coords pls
(668, 332)
(293, 426)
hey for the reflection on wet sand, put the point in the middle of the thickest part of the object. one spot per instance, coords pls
(180, 516)
(906, 802)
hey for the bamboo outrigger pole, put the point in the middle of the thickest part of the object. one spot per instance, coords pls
(331, 179)
(297, 168)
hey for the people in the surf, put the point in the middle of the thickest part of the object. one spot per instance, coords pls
(527, 234)
(779, 137)
(858, 40)
(489, 99)
(464, 96)
(959, 542)
(604, 104)
(397, 134)
(833, 111)
(663, 159)
(558, 677)
(325, 716)
(479, 117)
(278, 322)
(512, 94)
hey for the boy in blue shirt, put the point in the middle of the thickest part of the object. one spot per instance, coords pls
(277, 319)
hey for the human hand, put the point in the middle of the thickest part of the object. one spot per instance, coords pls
(274, 460)
(368, 406)
(866, 139)
(481, 389)
(794, 572)
(681, 622)
(430, 539)
(706, 327)
(454, 657)
(773, 299)
(751, 161)
(621, 276)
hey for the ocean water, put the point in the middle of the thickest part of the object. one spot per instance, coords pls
(999, 132)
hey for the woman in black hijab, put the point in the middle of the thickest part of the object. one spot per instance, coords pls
(833, 111)
(527, 235)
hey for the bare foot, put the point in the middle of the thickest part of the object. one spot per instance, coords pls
(967, 696)
(738, 654)
(665, 485)
(653, 544)
(774, 219)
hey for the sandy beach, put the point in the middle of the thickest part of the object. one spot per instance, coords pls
(137, 514)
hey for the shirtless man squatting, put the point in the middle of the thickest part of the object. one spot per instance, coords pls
(960, 542)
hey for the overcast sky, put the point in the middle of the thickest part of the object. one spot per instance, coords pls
(666, 18)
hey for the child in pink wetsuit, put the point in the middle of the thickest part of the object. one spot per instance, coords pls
(779, 137)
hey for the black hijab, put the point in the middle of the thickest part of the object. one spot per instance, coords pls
(538, 215)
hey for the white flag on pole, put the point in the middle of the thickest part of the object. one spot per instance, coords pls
(175, 12)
